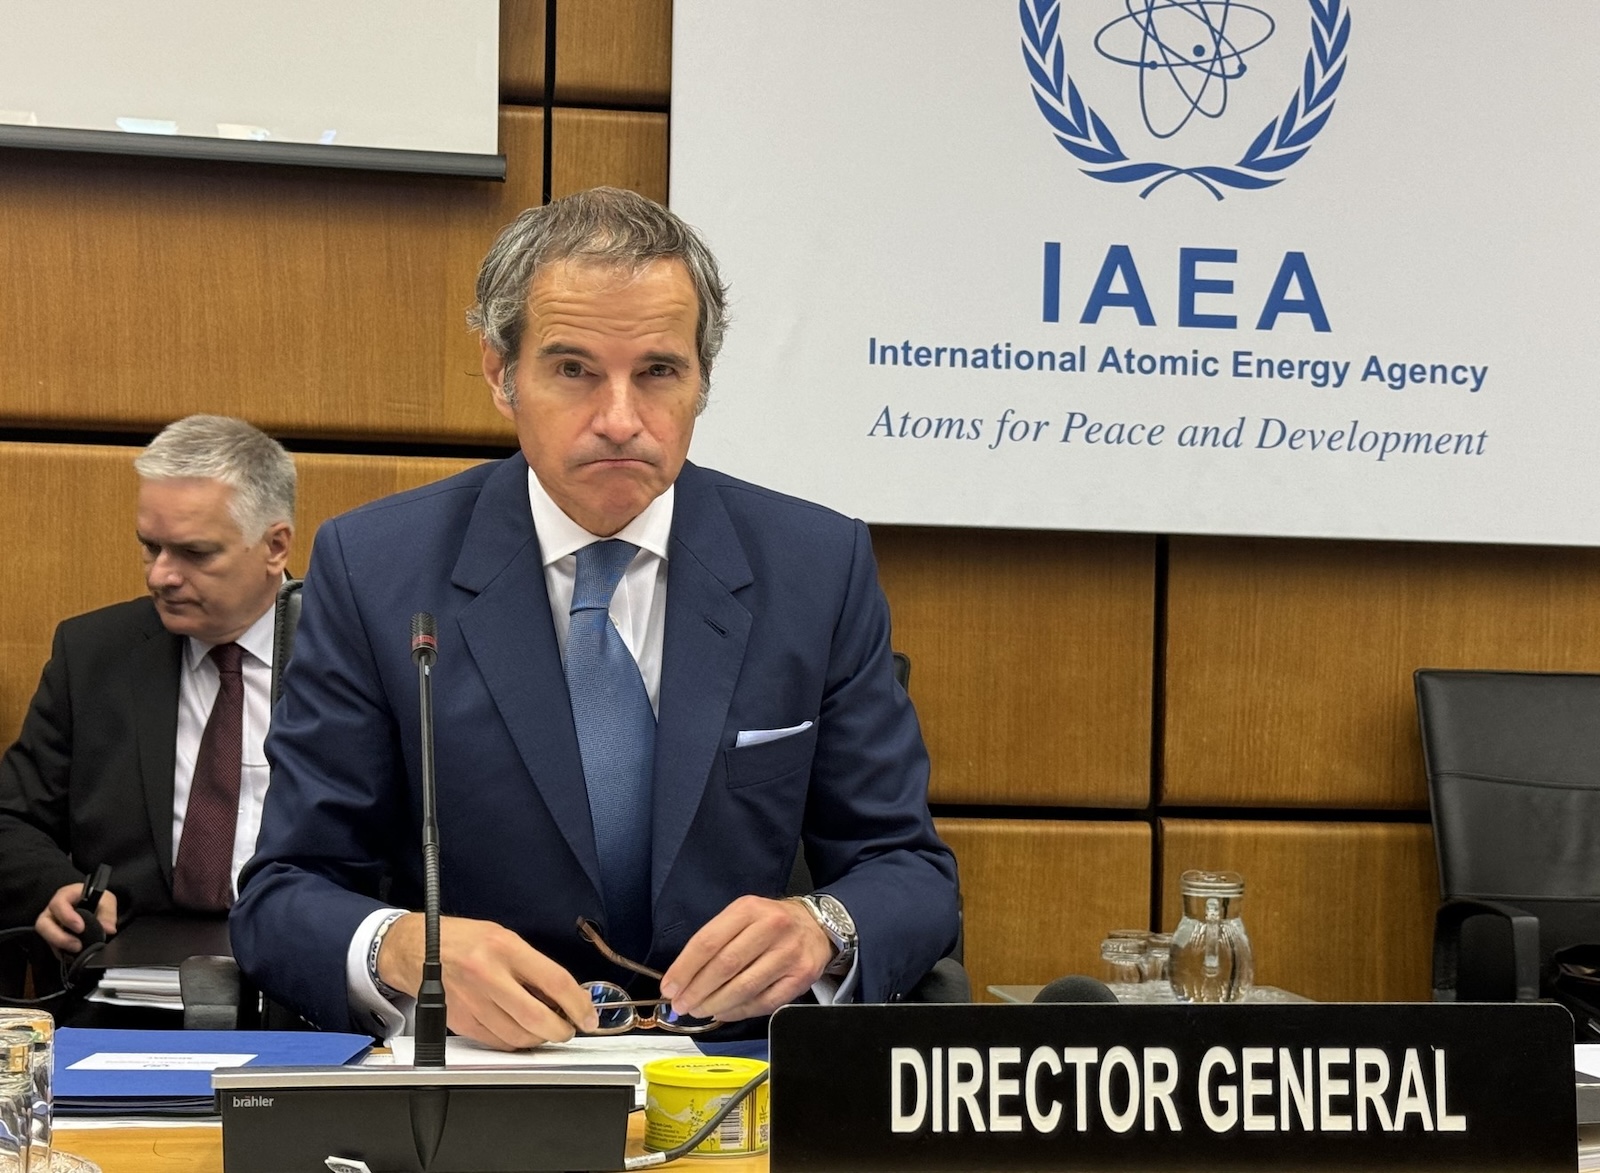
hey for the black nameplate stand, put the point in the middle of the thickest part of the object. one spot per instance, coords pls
(1427, 1088)
(425, 1120)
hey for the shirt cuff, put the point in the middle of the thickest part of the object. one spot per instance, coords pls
(834, 991)
(369, 1009)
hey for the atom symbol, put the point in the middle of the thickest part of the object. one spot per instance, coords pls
(1187, 53)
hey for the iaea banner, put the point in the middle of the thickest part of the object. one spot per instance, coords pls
(1300, 267)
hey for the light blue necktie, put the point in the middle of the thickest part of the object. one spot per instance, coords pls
(617, 738)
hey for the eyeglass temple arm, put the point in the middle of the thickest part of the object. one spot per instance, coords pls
(591, 934)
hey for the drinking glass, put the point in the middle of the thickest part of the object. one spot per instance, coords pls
(1121, 955)
(42, 1028)
(1156, 964)
(16, 1100)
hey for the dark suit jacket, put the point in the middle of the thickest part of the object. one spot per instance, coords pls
(89, 780)
(773, 617)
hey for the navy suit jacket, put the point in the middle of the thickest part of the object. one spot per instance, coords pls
(774, 617)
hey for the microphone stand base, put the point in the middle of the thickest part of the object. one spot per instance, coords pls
(425, 1120)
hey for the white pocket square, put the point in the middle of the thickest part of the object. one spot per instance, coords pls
(762, 736)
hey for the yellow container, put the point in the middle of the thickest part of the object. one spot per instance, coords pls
(682, 1094)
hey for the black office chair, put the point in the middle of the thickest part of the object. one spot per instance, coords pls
(1513, 764)
(902, 669)
(285, 619)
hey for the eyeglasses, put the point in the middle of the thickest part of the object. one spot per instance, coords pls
(619, 1011)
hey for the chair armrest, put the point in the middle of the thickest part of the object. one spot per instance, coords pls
(210, 988)
(947, 981)
(1447, 923)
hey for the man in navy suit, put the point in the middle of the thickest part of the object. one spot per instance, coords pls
(755, 710)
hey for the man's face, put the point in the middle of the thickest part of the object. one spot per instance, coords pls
(607, 386)
(207, 581)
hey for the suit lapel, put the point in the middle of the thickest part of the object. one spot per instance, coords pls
(508, 632)
(153, 681)
(703, 648)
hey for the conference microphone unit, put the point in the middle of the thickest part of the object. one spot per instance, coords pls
(425, 1118)
(1075, 988)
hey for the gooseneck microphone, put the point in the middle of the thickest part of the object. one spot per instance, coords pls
(431, 1014)
(426, 1116)
(1075, 988)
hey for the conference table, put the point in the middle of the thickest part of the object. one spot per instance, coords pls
(197, 1148)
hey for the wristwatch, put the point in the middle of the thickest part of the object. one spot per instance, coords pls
(384, 988)
(841, 929)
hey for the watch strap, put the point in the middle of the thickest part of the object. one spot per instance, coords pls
(384, 987)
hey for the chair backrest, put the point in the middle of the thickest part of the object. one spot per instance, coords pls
(285, 618)
(1513, 764)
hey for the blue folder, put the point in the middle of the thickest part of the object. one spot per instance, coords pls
(101, 1090)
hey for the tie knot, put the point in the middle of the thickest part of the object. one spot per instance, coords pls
(600, 568)
(227, 658)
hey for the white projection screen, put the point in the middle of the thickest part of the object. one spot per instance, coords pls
(1321, 268)
(390, 84)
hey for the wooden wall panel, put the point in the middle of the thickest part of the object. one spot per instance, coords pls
(614, 52)
(1031, 661)
(313, 302)
(1289, 662)
(522, 51)
(1039, 896)
(1335, 911)
(330, 485)
(591, 148)
(72, 511)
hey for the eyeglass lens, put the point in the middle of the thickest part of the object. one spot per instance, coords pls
(614, 1018)
(619, 1011)
(670, 1019)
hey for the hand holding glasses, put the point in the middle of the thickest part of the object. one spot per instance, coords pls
(619, 1012)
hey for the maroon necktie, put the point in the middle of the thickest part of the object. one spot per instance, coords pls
(203, 877)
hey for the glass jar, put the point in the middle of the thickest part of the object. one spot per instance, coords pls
(1211, 959)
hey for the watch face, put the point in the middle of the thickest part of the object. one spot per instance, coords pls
(835, 910)
(835, 916)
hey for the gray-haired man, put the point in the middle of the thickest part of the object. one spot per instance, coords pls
(657, 684)
(141, 748)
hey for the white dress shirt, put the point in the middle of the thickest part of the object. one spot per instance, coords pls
(198, 685)
(639, 611)
(639, 605)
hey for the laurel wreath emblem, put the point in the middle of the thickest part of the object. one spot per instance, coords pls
(1283, 143)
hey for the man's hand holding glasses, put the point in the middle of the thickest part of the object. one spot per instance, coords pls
(500, 990)
(751, 958)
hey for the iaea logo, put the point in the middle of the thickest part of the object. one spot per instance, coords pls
(1185, 57)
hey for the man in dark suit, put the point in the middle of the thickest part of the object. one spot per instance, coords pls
(118, 761)
(654, 683)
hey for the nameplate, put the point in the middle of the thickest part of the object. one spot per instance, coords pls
(1420, 1087)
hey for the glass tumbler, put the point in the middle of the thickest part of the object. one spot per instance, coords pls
(16, 1100)
(1156, 964)
(1211, 958)
(1121, 955)
(42, 1028)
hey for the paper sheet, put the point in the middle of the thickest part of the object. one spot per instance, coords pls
(154, 986)
(635, 1050)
